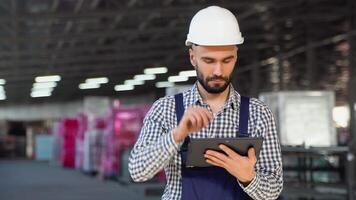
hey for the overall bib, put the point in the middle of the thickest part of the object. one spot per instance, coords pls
(211, 183)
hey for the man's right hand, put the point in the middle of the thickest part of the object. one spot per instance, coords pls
(194, 119)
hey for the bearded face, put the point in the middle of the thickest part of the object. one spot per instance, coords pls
(213, 84)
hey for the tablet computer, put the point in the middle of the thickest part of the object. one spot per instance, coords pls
(197, 148)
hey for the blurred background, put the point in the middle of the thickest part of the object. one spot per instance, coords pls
(78, 76)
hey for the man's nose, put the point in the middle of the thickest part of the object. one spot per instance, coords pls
(218, 69)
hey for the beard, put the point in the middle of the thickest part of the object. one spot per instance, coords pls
(213, 88)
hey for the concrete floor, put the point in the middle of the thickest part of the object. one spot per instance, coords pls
(22, 179)
(33, 180)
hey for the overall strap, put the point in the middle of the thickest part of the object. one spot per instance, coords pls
(179, 114)
(179, 106)
(244, 114)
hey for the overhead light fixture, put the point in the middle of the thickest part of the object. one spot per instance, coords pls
(124, 87)
(48, 78)
(36, 94)
(134, 82)
(164, 84)
(188, 73)
(2, 81)
(2, 96)
(174, 79)
(42, 89)
(85, 86)
(156, 70)
(145, 77)
(44, 85)
(100, 80)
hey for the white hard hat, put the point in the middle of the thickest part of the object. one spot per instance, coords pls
(214, 26)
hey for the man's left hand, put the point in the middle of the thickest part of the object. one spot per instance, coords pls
(242, 167)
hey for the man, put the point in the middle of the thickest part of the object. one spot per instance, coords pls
(213, 109)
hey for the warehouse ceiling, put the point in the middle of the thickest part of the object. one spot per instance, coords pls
(289, 44)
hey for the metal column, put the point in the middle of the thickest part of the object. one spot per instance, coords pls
(352, 91)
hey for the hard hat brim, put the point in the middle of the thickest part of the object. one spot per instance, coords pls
(202, 43)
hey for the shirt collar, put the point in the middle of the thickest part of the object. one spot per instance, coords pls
(196, 98)
(234, 99)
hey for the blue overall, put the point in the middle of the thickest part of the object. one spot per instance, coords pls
(211, 183)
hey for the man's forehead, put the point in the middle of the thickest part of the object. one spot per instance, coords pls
(215, 52)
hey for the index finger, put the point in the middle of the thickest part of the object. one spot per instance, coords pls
(207, 113)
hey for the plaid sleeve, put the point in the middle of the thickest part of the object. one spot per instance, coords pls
(268, 182)
(154, 147)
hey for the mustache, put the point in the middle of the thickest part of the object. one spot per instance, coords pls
(213, 78)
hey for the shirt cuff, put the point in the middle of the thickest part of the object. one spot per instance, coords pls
(171, 143)
(252, 187)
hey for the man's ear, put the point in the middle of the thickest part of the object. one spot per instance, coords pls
(192, 57)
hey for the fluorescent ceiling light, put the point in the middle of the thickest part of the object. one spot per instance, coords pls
(2, 81)
(156, 70)
(42, 89)
(134, 82)
(145, 77)
(2, 96)
(44, 85)
(48, 78)
(188, 73)
(164, 84)
(174, 79)
(85, 86)
(40, 95)
(100, 80)
(124, 87)
(35, 94)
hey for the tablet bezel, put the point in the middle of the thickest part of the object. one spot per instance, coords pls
(198, 146)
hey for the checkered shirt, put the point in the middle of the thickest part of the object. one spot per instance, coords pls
(156, 149)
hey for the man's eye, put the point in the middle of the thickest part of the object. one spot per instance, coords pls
(227, 61)
(208, 61)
